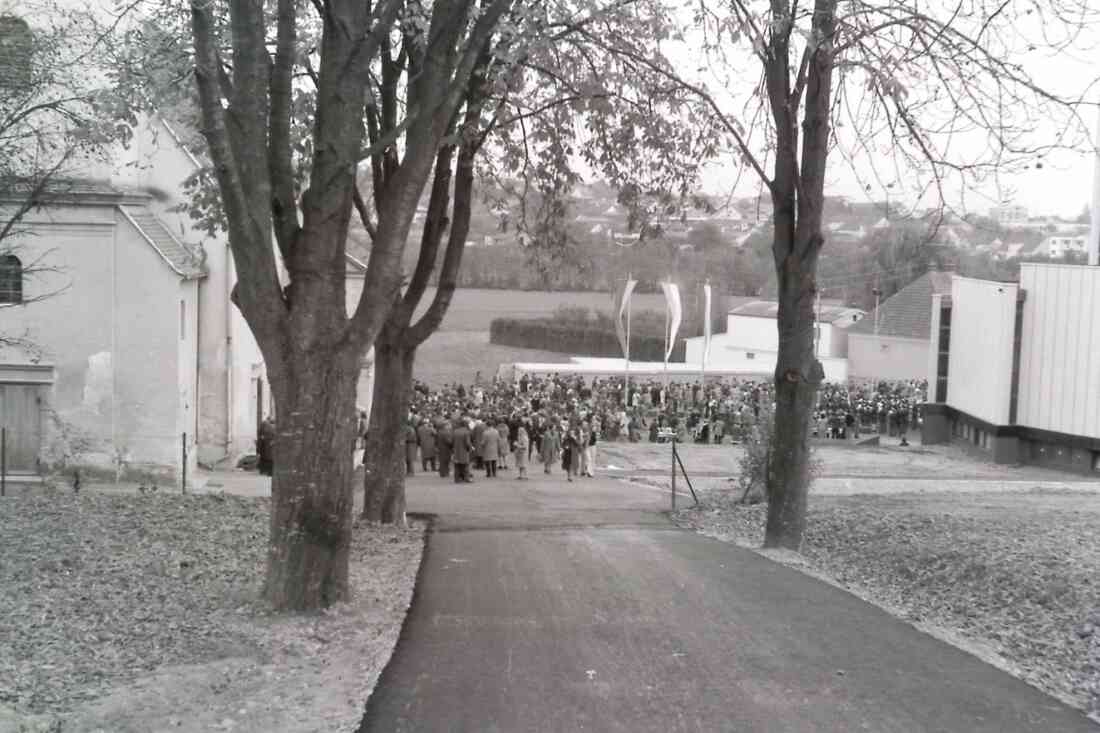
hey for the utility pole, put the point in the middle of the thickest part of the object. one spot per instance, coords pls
(878, 296)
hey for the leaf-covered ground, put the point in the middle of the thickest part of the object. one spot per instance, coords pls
(125, 612)
(1016, 573)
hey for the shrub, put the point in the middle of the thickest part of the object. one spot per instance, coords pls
(755, 463)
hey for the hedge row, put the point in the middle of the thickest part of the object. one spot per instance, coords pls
(578, 339)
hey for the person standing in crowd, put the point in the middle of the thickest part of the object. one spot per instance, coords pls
(590, 449)
(490, 449)
(461, 447)
(571, 450)
(425, 435)
(522, 446)
(443, 443)
(550, 446)
(410, 448)
(475, 435)
(265, 447)
(504, 447)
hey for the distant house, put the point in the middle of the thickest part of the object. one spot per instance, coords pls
(891, 342)
(751, 341)
(1059, 246)
(1009, 214)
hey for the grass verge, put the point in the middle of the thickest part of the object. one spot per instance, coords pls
(136, 613)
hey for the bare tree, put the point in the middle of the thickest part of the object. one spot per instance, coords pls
(939, 94)
(249, 88)
(532, 118)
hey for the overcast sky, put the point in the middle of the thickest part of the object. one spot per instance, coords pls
(1062, 185)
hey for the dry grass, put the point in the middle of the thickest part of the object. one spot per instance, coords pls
(1016, 573)
(136, 613)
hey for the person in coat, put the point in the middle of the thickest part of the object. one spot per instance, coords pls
(490, 450)
(504, 446)
(444, 439)
(590, 447)
(461, 449)
(265, 447)
(425, 434)
(410, 449)
(522, 446)
(475, 436)
(550, 447)
(571, 451)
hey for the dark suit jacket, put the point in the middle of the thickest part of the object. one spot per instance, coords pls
(460, 450)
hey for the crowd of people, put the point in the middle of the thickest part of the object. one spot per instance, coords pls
(559, 420)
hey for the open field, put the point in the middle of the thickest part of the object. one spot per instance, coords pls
(456, 356)
(473, 309)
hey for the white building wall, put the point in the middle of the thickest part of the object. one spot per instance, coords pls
(887, 357)
(753, 333)
(983, 321)
(1059, 388)
(728, 354)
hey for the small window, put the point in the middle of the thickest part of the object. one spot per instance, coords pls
(11, 279)
(750, 355)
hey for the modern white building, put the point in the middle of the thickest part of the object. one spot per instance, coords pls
(1014, 368)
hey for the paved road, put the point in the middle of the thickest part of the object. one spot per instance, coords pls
(548, 606)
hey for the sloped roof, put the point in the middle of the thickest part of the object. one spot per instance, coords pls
(179, 256)
(770, 309)
(58, 188)
(907, 313)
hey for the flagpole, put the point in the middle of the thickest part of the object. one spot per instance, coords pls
(668, 325)
(703, 361)
(626, 380)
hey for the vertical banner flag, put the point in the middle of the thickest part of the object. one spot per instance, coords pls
(706, 324)
(622, 302)
(672, 299)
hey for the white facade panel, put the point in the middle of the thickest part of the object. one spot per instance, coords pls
(1059, 388)
(727, 353)
(979, 371)
(753, 332)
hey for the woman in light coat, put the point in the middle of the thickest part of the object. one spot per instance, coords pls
(522, 445)
(551, 446)
(504, 449)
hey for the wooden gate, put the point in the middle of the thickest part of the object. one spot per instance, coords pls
(21, 414)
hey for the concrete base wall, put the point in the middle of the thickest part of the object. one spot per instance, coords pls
(1011, 444)
(936, 429)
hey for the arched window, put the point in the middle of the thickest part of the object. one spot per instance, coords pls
(16, 47)
(11, 279)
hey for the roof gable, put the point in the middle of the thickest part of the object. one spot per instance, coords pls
(186, 263)
(907, 313)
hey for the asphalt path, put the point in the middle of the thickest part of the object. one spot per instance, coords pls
(554, 606)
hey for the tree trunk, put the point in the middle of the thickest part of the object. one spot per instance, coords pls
(311, 490)
(798, 376)
(384, 477)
